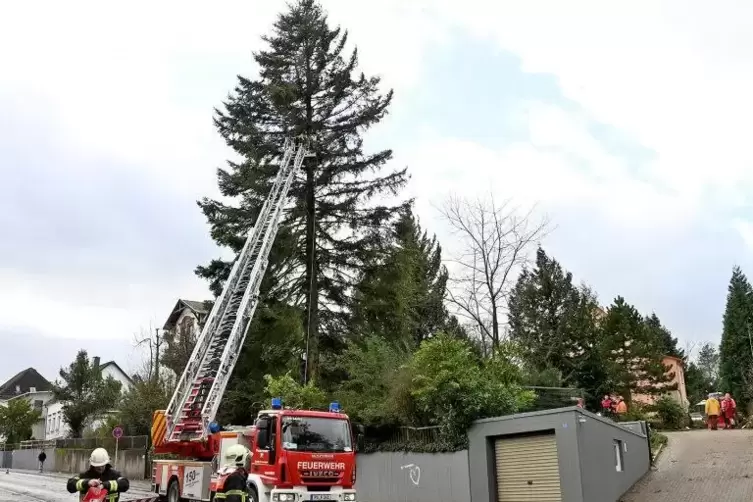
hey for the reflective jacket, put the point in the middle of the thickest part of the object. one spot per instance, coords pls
(111, 480)
(232, 487)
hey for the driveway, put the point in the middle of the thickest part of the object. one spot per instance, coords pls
(700, 466)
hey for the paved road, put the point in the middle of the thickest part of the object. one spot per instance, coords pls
(34, 487)
(701, 466)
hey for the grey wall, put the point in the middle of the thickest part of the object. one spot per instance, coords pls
(69, 461)
(601, 482)
(129, 462)
(413, 477)
(481, 457)
(27, 460)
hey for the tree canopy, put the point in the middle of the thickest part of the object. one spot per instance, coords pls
(17, 418)
(309, 84)
(85, 393)
(736, 349)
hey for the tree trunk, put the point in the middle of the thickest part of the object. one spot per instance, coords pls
(312, 297)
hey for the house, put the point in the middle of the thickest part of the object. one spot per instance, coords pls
(24, 382)
(187, 315)
(181, 331)
(676, 370)
(32, 387)
(54, 424)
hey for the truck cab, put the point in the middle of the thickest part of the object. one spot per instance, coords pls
(302, 455)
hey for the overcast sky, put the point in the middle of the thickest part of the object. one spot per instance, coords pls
(629, 125)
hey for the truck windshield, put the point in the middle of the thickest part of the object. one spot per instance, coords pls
(316, 434)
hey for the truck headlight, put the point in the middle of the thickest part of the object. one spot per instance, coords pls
(349, 497)
(283, 497)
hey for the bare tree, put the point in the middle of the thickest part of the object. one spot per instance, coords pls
(179, 344)
(153, 342)
(496, 241)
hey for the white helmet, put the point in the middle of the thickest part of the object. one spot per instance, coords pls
(99, 458)
(238, 455)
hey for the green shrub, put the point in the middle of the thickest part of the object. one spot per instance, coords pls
(671, 414)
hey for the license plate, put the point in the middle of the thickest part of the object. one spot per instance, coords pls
(322, 496)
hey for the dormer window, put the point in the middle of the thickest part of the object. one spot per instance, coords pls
(32, 389)
(18, 389)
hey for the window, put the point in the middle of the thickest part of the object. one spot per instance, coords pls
(617, 455)
(321, 435)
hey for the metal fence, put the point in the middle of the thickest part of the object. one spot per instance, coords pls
(426, 435)
(549, 398)
(124, 443)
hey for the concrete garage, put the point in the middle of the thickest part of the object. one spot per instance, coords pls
(562, 455)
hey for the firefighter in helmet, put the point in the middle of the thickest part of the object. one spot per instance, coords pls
(232, 486)
(99, 475)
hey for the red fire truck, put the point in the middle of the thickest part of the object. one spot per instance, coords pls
(296, 455)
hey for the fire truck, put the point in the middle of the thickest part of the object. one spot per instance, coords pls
(296, 455)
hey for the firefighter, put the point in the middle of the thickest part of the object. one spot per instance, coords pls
(100, 475)
(232, 486)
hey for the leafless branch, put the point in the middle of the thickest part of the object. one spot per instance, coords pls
(496, 241)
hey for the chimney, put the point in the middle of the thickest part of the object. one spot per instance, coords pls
(95, 362)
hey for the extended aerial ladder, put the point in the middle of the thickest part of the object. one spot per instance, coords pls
(197, 396)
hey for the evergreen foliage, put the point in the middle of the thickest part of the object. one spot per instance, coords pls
(85, 393)
(400, 295)
(735, 352)
(555, 323)
(708, 364)
(668, 342)
(308, 85)
(635, 352)
(17, 418)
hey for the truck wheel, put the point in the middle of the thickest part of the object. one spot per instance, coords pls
(252, 495)
(172, 491)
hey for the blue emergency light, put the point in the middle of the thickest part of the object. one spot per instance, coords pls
(214, 427)
(334, 407)
(276, 403)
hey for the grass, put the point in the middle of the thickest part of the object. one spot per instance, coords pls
(657, 439)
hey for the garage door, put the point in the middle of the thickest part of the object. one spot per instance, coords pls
(527, 469)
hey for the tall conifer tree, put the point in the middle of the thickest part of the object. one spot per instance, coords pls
(635, 352)
(401, 292)
(736, 349)
(308, 84)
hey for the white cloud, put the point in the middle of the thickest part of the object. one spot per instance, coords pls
(676, 75)
(561, 166)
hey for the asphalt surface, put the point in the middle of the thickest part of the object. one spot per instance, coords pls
(25, 486)
(700, 466)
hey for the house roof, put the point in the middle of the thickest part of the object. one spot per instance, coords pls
(24, 380)
(675, 358)
(115, 365)
(198, 308)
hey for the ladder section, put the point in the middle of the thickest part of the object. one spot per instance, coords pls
(196, 399)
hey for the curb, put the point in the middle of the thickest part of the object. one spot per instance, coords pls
(656, 456)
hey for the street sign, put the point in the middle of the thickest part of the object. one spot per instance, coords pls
(117, 432)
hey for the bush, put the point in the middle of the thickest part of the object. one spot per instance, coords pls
(670, 413)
